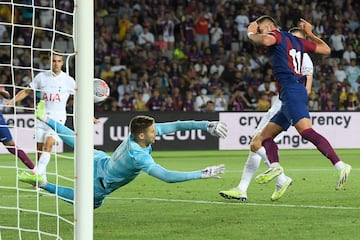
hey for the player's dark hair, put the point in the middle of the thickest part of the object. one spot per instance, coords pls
(297, 29)
(138, 124)
(266, 18)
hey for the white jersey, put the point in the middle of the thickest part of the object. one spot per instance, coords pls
(55, 91)
(307, 68)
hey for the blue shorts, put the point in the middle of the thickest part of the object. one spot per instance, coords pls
(5, 135)
(294, 105)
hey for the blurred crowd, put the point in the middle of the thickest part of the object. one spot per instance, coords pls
(187, 55)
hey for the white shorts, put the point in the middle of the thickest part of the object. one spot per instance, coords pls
(42, 131)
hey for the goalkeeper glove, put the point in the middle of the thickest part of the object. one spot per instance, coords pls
(217, 129)
(213, 171)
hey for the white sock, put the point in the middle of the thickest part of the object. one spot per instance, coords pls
(251, 166)
(262, 152)
(339, 165)
(42, 164)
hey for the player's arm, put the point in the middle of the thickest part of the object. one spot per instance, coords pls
(307, 69)
(170, 176)
(4, 93)
(264, 39)
(215, 128)
(321, 46)
(19, 97)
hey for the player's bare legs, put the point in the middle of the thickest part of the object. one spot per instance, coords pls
(256, 153)
(44, 159)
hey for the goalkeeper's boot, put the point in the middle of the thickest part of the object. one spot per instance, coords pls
(343, 176)
(269, 174)
(234, 193)
(280, 189)
(33, 179)
(40, 112)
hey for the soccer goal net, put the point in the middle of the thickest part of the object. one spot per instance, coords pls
(30, 33)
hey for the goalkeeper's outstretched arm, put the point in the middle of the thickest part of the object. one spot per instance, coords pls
(218, 129)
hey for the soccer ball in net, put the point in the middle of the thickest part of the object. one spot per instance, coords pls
(101, 90)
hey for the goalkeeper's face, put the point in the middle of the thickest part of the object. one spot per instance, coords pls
(149, 135)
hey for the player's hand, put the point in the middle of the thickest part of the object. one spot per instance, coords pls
(253, 27)
(217, 129)
(305, 26)
(213, 171)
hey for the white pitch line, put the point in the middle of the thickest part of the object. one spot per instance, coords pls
(238, 203)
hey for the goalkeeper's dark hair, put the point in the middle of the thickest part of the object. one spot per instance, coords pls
(265, 18)
(140, 123)
(297, 30)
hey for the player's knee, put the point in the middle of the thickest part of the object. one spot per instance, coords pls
(255, 144)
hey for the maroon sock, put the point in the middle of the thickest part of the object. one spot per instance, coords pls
(22, 155)
(321, 144)
(271, 150)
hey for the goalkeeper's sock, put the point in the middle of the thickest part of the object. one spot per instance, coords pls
(65, 133)
(251, 166)
(65, 193)
(42, 164)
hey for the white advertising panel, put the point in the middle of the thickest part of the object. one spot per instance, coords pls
(342, 129)
(22, 128)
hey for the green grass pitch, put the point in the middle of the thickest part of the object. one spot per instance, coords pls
(150, 209)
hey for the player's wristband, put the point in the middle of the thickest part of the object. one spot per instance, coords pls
(249, 34)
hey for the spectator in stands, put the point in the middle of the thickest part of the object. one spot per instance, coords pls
(201, 100)
(210, 107)
(201, 25)
(216, 34)
(188, 103)
(221, 103)
(337, 41)
(314, 104)
(349, 54)
(242, 21)
(353, 73)
(124, 25)
(139, 104)
(146, 38)
(263, 103)
(156, 102)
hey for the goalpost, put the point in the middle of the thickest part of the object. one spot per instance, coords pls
(30, 30)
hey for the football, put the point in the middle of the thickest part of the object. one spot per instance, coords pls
(101, 90)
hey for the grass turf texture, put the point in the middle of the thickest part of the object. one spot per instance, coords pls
(150, 209)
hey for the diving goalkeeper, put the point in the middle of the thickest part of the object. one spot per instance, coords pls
(131, 157)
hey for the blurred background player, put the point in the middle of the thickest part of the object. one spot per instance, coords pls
(286, 52)
(55, 88)
(6, 138)
(258, 152)
(130, 158)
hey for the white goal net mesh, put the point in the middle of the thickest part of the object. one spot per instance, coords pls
(30, 30)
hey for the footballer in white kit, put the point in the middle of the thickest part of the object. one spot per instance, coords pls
(54, 87)
(55, 90)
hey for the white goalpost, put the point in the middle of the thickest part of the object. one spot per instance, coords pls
(30, 31)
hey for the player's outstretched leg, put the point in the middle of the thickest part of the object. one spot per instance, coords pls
(65, 133)
(65, 193)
